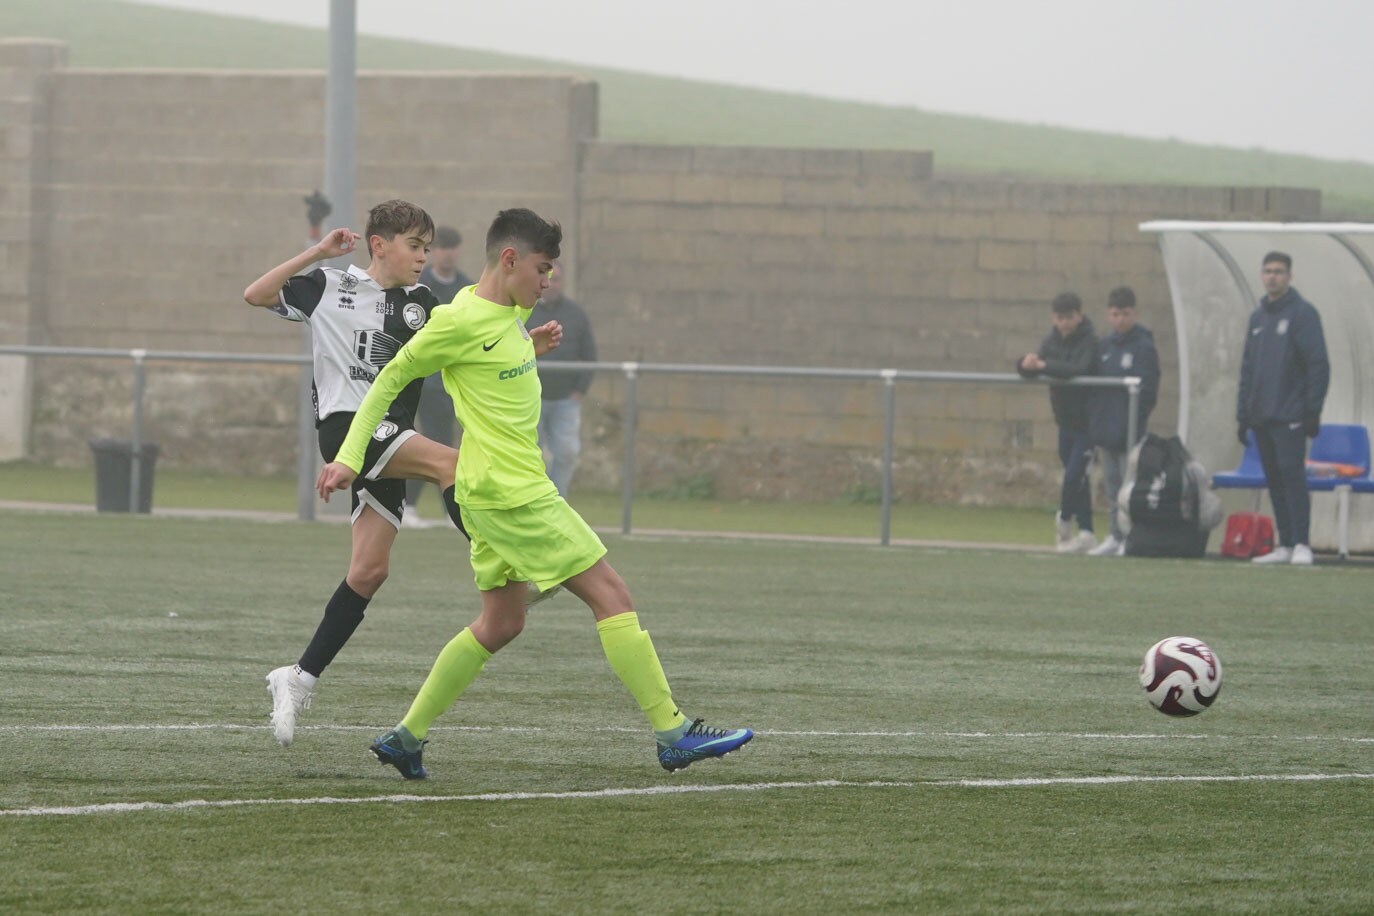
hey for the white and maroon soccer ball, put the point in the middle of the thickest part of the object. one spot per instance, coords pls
(1181, 676)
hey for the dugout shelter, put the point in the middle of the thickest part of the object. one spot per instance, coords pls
(1214, 274)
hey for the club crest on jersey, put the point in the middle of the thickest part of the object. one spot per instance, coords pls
(347, 282)
(375, 347)
(414, 316)
(1127, 359)
(385, 430)
(1283, 326)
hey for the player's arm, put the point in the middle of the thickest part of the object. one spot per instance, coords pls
(438, 344)
(264, 291)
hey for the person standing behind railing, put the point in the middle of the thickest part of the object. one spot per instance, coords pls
(1284, 373)
(560, 417)
(1129, 350)
(1070, 349)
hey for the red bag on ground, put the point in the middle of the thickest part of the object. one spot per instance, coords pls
(1248, 534)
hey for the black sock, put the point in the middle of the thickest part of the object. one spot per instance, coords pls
(451, 505)
(342, 615)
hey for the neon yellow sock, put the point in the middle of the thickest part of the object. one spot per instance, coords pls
(454, 670)
(633, 659)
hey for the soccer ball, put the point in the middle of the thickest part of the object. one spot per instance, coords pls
(1181, 676)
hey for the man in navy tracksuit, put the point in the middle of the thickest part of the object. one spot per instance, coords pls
(1128, 350)
(1283, 377)
(1069, 349)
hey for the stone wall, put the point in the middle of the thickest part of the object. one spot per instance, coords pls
(839, 258)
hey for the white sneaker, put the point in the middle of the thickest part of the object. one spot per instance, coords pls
(1063, 534)
(1302, 555)
(411, 519)
(1277, 555)
(1084, 543)
(1111, 547)
(289, 698)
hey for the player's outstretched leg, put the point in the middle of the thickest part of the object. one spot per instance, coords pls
(290, 695)
(699, 742)
(681, 742)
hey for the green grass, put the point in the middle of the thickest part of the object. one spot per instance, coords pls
(182, 489)
(642, 108)
(856, 664)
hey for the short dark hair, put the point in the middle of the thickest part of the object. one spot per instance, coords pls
(390, 218)
(447, 237)
(523, 229)
(1123, 297)
(1280, 257)
(1066, 304)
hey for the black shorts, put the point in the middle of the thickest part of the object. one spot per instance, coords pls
(386, 496)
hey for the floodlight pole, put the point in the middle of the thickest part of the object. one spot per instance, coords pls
(340, 122)
(340, 138)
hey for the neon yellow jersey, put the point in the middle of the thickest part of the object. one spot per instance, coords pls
(488, 365)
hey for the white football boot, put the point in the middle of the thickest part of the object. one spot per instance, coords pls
(289, 698)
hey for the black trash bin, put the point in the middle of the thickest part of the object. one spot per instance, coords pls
(114, 460)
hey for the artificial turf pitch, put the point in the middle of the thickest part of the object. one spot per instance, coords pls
(938, 730)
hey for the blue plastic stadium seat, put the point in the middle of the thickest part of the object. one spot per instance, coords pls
(1249, 475)
(1342, 443)
(1339, 443)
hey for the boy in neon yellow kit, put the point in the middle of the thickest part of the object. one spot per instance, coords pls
(521, 529)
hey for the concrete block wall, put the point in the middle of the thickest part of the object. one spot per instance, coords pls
(842, 258)
(27, 75)
(149, 199)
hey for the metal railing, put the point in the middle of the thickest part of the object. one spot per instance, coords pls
(631, 371)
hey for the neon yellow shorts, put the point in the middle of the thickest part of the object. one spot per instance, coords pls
(544, 542)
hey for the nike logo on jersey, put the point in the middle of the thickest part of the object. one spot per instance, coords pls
(486, 347)
(1255, 331)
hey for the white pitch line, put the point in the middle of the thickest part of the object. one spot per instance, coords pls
(1074, 736)
(136, 807)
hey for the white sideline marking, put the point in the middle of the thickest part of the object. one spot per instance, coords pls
(133, 807)
(1074, 736)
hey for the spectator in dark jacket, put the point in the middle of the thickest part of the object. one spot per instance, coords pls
(1284, 373)
(1070, 349)
(560, 411)
(1128, 350)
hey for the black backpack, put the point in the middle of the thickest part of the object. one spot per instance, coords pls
(1164, 503)
(1164, 491)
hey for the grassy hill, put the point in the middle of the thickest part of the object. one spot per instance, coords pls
(642, 108)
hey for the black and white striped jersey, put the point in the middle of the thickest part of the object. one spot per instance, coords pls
(357, 328)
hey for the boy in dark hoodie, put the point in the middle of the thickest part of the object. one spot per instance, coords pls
(1128, 350)
(1070, 349)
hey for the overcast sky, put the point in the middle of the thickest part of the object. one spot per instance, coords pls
(1278, 74)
